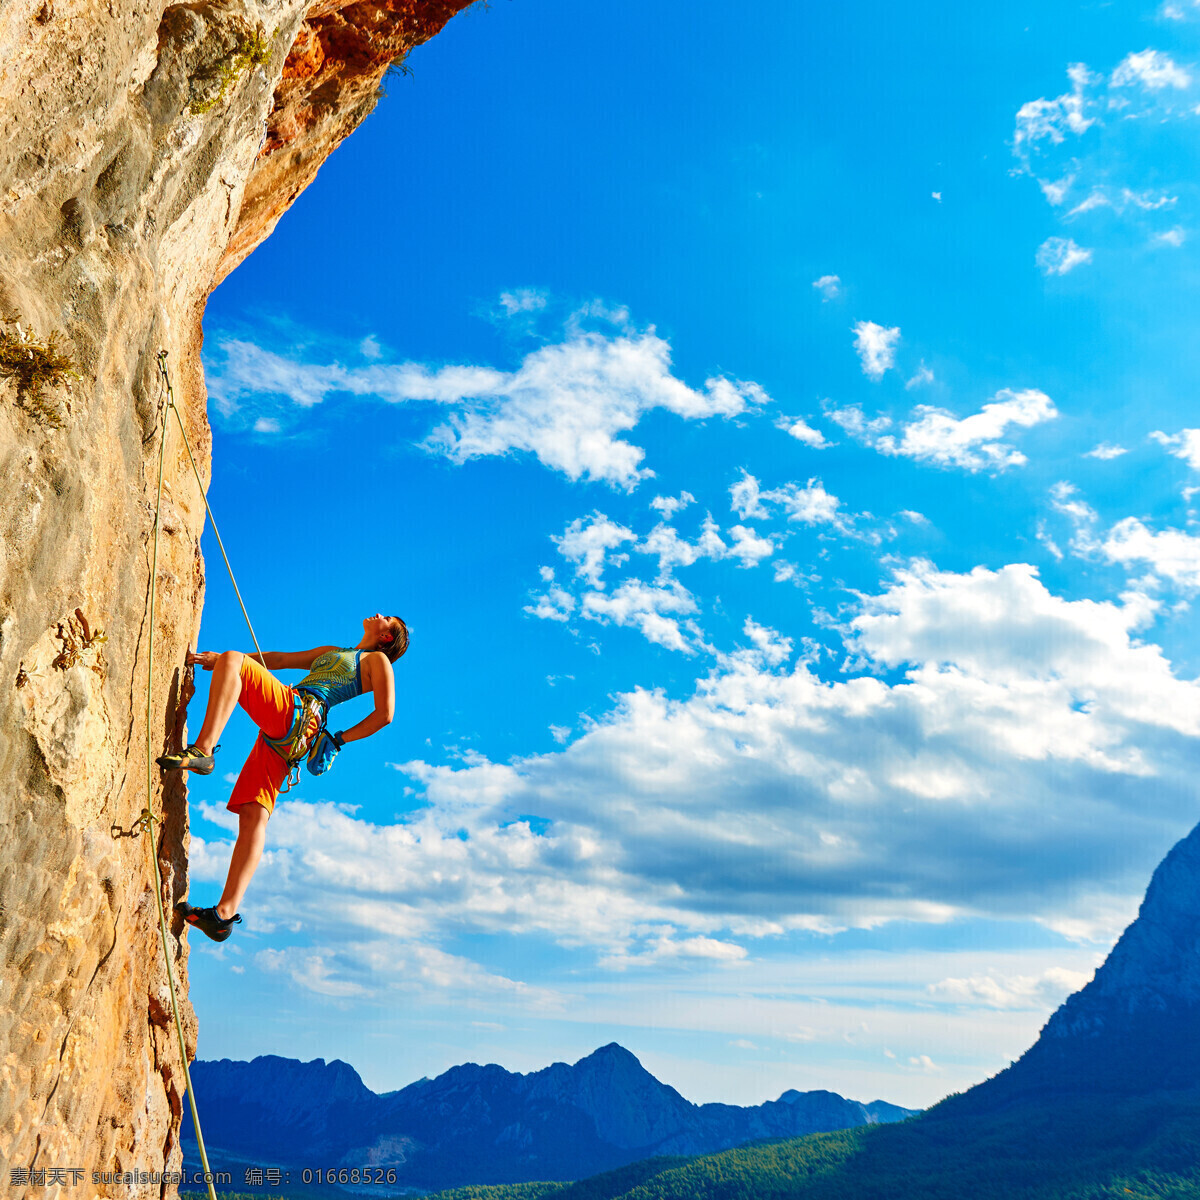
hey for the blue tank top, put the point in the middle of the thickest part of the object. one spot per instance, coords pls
(334, 676)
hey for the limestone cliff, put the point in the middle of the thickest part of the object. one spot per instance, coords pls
(144, 152)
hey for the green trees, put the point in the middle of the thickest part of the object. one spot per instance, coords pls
(1100, 1148)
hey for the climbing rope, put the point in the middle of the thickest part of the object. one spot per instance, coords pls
(162, 366)
(147, 819)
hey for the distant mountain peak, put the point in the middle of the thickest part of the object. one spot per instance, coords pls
(613, 1050)
(1155, 965)
(1135, 1028)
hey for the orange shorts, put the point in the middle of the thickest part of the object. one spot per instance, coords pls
(270, 705)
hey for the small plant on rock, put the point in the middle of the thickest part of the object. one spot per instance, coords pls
(35, 366)
(251, 49)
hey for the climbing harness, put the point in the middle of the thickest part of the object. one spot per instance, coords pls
(145, 823)
(332, 677)
(308, 719)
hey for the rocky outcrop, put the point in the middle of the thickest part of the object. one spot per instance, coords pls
(329, 83)
(144, 151)
(483, 1124)
(1134, 1029)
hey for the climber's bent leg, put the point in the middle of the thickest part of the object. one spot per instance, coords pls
(262, 776)
(269, 702)
(247, 850)
(253, 800)
(237, 679)
(223, 694)
(271, 706)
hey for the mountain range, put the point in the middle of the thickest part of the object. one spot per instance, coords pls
(1105, 1105)
(483, 1124)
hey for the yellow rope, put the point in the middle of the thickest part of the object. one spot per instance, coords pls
(148, 817)
(162, 363)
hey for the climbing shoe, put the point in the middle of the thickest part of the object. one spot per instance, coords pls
(190, 759)
(207, 921)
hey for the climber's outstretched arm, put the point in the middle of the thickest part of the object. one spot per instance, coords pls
(273, 660)
(226, 686)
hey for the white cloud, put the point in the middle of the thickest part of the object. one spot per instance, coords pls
(1151, 69)
(595, 544)
(1097, 199)
(802, 431)
(266, 425)
(370, 348)
(1185, 444)
(673, 551)
(876, 346)
(1171, 237)
(1147, 201)
(774, 648)
(1105, 451)
(1057, 256)
(748, 547)
(555, 604)
(924, 1064)
(653, 610)
(1043, 536)
(1056, 191)
(670, 505)
(1065, 498)
(522, 300)
(1127, 198)
(852, 420)
(1051, 120)
(922, 376)
(666, 948)
(830, 287)
(1168, 552)
(382, 965)
(810, 504)
(1043, 992)
(589, 542)
(745, 497)
(1148, 84)
(567, 403)
(247, 370)
(939, 437)
(936, 436)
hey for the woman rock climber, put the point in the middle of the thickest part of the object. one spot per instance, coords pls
(292, 724)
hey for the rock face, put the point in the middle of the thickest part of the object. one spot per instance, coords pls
(144, 151)
(1135, 1028)
(484, 1124)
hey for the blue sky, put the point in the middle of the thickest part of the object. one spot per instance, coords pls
(775, 431)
